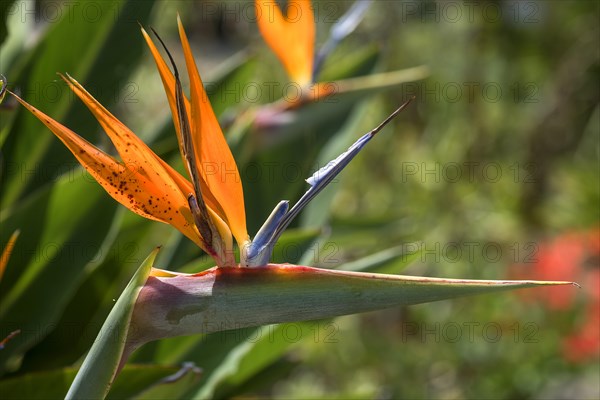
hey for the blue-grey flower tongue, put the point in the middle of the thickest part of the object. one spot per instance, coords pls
(259, 251)
(342, 28)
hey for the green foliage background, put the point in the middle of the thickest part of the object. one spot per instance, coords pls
(498, 153)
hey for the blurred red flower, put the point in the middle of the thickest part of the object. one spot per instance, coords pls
(573, 256)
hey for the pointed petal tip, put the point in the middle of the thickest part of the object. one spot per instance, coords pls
(145, 33)
(392, 115)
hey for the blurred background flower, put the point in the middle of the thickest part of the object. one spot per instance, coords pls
(574, 256)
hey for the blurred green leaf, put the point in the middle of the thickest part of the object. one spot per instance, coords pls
(360, 61)
(172, 386)
(254, 351)
(61, 233)
(224, 83)
(53, 384)
(391, 260)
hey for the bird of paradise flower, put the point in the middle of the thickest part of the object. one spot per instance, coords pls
(291, 34)
(209, 210)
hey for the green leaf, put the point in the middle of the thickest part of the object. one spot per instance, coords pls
(223, 85)
(107, 354)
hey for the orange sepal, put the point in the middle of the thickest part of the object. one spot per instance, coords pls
(215, 161)
(168, 80)
(292, 38)
(141, 184)
(6, 253)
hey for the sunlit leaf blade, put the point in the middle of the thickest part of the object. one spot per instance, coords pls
(105, 357)
(230, 298)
